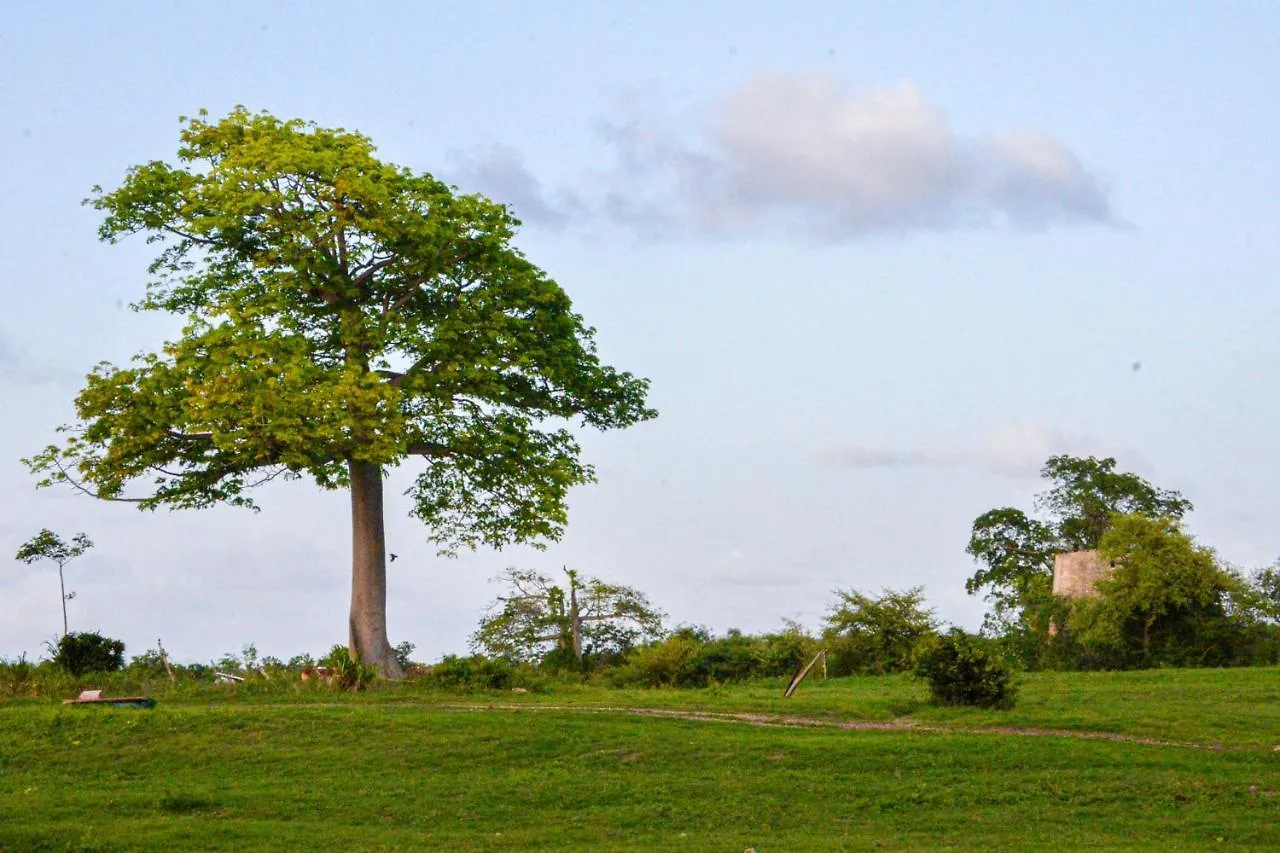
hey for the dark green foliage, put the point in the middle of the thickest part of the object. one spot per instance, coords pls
(961, 672)
(875, 636)
(1016, 551)
(692, 657)
(88, 651)
(1016, 555)
(1166, 602)
(473, 673)
(1088, 493)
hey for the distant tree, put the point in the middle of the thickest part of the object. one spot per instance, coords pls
(47, 545)
(342, 315)
(1165, 601)
(868, 634)
(1016, 552)
(538, 618)
(1088, 493)
(1265, 585)
(1017, 557)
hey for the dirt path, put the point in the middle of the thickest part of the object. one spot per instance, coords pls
(905, 726)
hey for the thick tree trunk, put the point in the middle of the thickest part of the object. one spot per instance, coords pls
(368, 639)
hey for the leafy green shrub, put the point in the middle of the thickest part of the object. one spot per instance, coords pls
(868, 635)
(88, 651)
(480, 673)
(692, 657)
(961, 672)
(733, 657)
(348, 673)
(782, 654)
(669, 662)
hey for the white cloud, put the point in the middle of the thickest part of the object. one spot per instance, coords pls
(799, 153)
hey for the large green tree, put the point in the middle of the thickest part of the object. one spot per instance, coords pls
(1015, 551)
(342, 315)
(1165, 601)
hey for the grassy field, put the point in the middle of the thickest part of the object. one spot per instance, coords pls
(576, 767)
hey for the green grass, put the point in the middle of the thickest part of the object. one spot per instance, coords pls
(403, 768)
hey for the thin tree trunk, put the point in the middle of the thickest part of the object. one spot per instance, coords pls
(63, 586)
(368, 639)
(575, 619)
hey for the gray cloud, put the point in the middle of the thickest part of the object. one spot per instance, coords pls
(858, 455)
(19, 367)
(1012, 449)
(500, 173)
(798, 153)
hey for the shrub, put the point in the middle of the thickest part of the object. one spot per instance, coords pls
(691, 657)
(348, 673)
(89, 651)
(473, 673)
(961, 672)
(669, 662)
(403, 650)
(782, 654)
(869, 635)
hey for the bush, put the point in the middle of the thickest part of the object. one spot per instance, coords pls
(88, 652)
(348, 674)
(869, 635)
(669, 662)
(961, 672)
(783, 654)
(691, 657)
(473, 673)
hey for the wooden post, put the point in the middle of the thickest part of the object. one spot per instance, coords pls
(164, 657)
(800, 676)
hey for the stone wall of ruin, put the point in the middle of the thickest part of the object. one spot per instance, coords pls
(1075, 572)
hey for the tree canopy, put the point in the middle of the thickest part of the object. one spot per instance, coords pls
(538, 619)
(877, 634)
(342, 315)
(1016, 550)
(47, 545)
(1166, 600)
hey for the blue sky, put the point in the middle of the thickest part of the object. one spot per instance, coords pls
(879, 260)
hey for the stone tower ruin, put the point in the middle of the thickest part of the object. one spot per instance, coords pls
(1075, 572)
